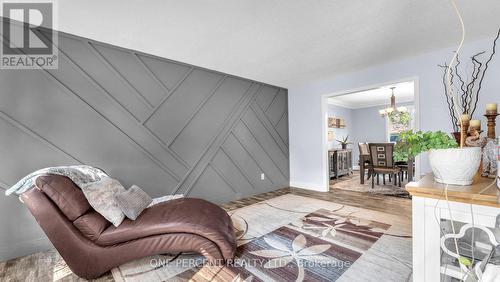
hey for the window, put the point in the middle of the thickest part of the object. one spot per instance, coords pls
(398, 122)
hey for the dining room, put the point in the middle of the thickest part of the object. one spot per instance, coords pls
(363, 130)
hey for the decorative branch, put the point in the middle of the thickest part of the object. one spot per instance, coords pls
(475, 95)
(449, 101)
(467, 100)
(484, 71)
(464, 93)
(475, 73)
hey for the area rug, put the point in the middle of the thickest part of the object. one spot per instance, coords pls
(294, 238)
(351, 183)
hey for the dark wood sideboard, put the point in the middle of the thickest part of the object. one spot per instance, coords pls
(339, 162)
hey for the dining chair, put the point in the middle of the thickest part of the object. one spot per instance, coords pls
(407, 169)
(382, 163)
(364, 162)
(403, 165)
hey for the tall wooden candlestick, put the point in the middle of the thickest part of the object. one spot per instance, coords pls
(464, 129)
(491, 124)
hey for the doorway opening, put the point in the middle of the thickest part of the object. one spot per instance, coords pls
(360, 121)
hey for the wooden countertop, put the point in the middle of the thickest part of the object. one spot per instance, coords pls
(478, 193)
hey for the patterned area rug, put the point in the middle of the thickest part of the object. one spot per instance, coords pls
(351, 183)
(294, 238)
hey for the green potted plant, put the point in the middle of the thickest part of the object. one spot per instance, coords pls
(401, 119)
(344, 142)
(450, 164)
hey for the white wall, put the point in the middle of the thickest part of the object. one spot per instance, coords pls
(368, 126)
(363, 125)
(340, 133)
(307, 163)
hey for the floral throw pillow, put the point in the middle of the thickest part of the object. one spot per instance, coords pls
(101, 196)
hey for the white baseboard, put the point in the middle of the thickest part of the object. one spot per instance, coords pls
(308, 186)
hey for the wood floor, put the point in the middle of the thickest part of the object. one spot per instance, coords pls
(49, 266)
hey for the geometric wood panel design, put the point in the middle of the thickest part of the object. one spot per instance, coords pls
(166, 126)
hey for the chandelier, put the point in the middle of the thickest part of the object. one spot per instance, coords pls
(392, 108)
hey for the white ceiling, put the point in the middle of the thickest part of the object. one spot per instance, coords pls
(282, 42)
(375, 97)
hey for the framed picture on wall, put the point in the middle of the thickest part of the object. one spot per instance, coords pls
(336, 122)
(331, 122)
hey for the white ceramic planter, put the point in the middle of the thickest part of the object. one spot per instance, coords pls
(455, 166)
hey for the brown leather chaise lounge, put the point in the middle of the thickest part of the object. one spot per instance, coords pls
(91, 246)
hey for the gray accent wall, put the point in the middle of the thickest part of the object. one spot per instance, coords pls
(166, 126)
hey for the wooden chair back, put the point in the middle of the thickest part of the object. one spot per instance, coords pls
(363, 149)
(381, 155)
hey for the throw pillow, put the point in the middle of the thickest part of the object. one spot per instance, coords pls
(133, 201)
(101, 194)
